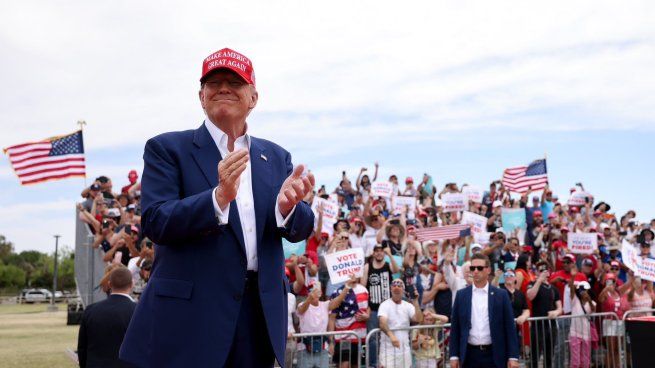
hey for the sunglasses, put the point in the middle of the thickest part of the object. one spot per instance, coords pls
(479, 268)
(614, 268)
(567, 262)
(543, 269)
(397, 284)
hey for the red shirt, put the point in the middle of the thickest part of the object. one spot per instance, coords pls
(566, 276)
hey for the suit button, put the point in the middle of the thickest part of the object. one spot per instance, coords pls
(237, 297)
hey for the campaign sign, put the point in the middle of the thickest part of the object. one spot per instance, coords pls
(400, 202)
(482, 238)
(453, 202)
(630, 256)
(578, 198)
(479, 223)
(647, 269)
(473, 194)
(341, 265)
(290, 248)
(583, 243)
(330, 213)
(381, 189)
(513, 218)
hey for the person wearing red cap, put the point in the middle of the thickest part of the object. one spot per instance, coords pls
(560, 279)
(133, 177)
(217, 201)
(410, 190)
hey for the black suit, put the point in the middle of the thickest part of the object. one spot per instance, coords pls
(102, 330)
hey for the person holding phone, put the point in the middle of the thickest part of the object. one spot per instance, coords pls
(546, 302)
(395, 312)
(610, 300)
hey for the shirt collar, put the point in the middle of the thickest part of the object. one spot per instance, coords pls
(125, 295)
(485, 288)
(220, 138)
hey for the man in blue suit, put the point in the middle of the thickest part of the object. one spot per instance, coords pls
(483, 332)
(216, 202)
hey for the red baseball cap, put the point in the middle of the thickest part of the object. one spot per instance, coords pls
(537, 213)
(570, 256)
(409, 180)
(229, 59)
(615, 263)
(132, 173)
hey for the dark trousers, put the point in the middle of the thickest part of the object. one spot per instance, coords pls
(476, 358)
(542, 336)
(251, 347)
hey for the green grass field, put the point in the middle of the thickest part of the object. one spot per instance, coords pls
(33, 337)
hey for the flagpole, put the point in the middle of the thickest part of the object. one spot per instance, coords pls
(82, 123)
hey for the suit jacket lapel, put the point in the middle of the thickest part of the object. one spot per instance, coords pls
(261, 188)
(490, 307)
(207, 157)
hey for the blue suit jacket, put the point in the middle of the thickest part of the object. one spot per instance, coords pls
(188, 312)
(501, 322)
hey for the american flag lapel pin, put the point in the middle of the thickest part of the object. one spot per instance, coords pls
(263, 157)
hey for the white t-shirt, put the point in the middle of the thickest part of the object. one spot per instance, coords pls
(315, 318)
(291, 300)
(134, 269)
(398, 316)
(358, 242)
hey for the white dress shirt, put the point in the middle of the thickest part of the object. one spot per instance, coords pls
(244, 199)
(480, 333)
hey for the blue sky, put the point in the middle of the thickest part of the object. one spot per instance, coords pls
(460, 90)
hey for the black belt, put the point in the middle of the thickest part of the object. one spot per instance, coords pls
(479, 347)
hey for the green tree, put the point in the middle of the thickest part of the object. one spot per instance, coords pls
(6, 249)
(11, 276)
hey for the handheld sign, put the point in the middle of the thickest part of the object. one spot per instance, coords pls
(583, 243)
(341, 265)
(479, 223)
(381, 189)
(453, 202)
(399, 203)
(513, 218)
(578, 198)
(642, 267)
(482, 238)
(473, 194)
(330, 214)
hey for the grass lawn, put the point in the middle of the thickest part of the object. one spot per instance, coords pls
(33, 337)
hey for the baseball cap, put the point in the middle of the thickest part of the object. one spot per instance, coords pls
(132, 173)
(537, 213)
(94, 187)
(552, 215)
(476, 245)
(587, 262)
(409, 180)
(583, 285)
(570, 257)
(229, 59)
(615, 263)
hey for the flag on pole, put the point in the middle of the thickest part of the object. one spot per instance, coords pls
(50, 159)
(519, 179)
(442, 232)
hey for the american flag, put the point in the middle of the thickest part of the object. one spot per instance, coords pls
(519, 179)
(50, 159)
(356, 301)
(442, 232)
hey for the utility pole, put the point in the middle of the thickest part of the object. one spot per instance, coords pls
(53, 307)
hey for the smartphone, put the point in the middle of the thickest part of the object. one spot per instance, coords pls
(128, 230)
(105, 224)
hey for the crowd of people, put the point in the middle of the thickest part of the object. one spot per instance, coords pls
(408, 282)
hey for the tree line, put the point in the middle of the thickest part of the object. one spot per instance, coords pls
(34, 269)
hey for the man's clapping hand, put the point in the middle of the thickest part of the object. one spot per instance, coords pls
(294, 189)
(229, 173)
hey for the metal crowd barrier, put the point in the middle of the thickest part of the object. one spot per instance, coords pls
(626, 336)
(421, 346)
(323, 349)
(588, 340)
(591, 340)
